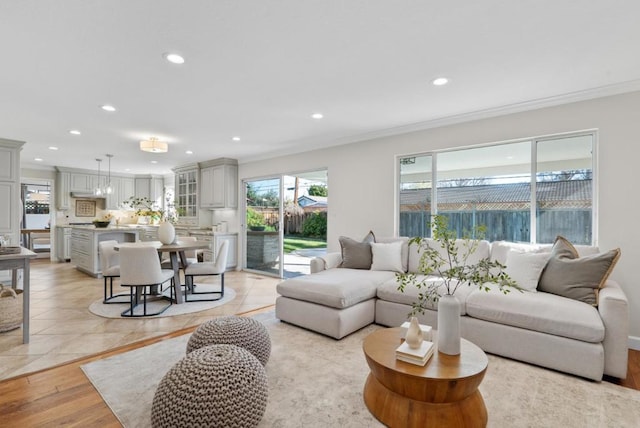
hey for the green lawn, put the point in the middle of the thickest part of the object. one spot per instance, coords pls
(293, 243)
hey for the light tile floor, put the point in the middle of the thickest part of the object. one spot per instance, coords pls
(62, 328)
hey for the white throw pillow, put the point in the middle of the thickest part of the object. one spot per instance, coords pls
(525, 268)
(387, 256)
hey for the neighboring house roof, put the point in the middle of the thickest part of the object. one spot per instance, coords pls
(550, 194)
(319, 201)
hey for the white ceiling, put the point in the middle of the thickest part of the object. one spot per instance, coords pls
(259, 69)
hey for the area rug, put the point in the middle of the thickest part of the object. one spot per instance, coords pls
(113, 310)
(316, 381)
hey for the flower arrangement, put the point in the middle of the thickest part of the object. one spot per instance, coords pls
(145, 207)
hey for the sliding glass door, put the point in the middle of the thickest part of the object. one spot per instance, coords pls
(263, 228)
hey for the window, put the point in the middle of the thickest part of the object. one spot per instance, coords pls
(496, 186)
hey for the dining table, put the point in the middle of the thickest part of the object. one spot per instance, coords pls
(176, 250)
(14, 261)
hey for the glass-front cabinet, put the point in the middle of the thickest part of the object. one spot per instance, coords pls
(186, 188)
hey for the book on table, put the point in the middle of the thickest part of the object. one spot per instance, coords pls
(418, 356)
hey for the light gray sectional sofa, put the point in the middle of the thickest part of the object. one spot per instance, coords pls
(537, 327)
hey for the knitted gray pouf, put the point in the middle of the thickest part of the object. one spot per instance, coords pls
(214, 386)
(245, 332)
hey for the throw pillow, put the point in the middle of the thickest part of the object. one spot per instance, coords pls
(356, 255)
(525, 268)
(575, 277)
(387, 256)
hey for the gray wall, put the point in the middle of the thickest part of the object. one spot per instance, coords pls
(362, 176)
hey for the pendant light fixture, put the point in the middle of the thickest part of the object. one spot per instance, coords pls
(108, 190)
(98, 190)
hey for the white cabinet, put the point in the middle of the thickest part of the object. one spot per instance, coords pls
(85, 251)
(10, 189)
(186, 191)
(63, 189)
(152, 187)
(210, 254)
(219, 184)
(122, 188)
(82, 255)
(232, 254)
(63, 243)
(85, 182)
(148, 233)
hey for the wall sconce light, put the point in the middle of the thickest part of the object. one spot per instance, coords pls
(153, 145)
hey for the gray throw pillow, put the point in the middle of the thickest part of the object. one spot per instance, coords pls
(580, 278)
(357, 255)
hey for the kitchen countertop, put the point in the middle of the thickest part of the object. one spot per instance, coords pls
(133, 227)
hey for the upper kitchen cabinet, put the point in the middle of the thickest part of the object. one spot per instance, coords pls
(186, 193)
(150, 186)
(10, 189)
(83, 183)
(219, 184)
(63, 190)
(122, 188)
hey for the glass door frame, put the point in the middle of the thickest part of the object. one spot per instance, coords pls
(244, 229)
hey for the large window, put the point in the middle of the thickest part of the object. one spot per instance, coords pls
(526, 191)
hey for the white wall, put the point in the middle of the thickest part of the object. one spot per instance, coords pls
(362, 189)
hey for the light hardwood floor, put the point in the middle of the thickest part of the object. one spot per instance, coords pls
(63, 396)
(63, 329)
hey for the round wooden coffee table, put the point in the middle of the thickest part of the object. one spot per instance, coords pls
(444, 393)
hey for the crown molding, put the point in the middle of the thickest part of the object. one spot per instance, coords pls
(568, 98)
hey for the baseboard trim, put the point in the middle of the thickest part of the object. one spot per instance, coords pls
(634, 343)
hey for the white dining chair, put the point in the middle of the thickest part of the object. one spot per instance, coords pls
(110, 268)
(191, 255)
(207, 269)
(139, 270)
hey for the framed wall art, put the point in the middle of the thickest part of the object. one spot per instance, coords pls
(85, 208)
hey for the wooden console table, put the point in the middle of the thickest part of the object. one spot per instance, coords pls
(14, 262)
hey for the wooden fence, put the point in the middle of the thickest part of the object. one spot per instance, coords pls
(575, 225)
(292, 223)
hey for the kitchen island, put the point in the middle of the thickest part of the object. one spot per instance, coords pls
(85, 254)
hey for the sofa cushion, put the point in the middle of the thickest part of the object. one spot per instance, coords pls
(543, 312)
(500, 249)
(483, 251)
(387, 256)
(337, 288)
(525, 268)
(356, 255)
(579, 278)
(404, 251)
(389, 292)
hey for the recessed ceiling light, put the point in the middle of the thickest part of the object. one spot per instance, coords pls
(37, 159)
(108, 108)
(154, 161)
(75, 132)
(53, 148)
(317, 115)
(127, 169)
(174, 58)
(440, 81)
(236, 138)
(189, 152)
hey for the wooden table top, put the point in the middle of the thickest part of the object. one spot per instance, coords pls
(380, 346)
(176, 246)
(445, 378)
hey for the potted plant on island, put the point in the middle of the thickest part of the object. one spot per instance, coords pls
(452, 268)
